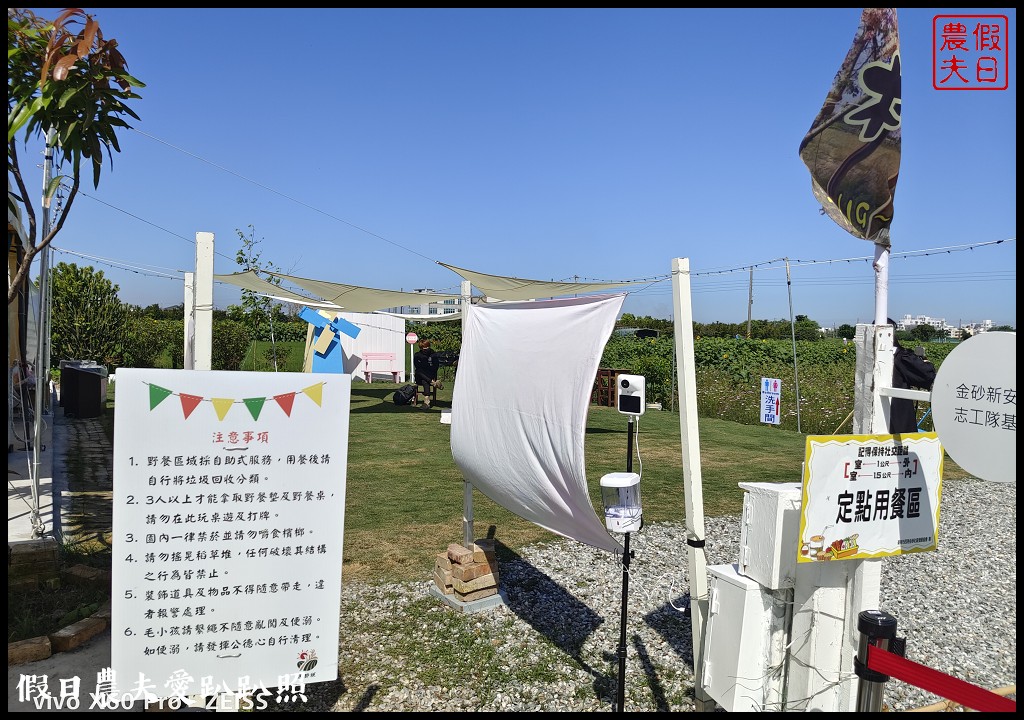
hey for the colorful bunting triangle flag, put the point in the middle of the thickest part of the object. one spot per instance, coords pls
(189, 403)
(255, 406)
(222, 405)
(285, 400)
(157, 395)
(315, 393)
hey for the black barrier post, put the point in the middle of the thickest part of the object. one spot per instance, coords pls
(877, 628)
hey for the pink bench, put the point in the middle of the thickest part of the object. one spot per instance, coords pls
(372, 363)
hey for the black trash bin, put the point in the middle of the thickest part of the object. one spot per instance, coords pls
(81, 389)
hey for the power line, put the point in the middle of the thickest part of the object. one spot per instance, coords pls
(123, 264)
(778, 263)
(775, 264)
(151, 224)
(281, 194)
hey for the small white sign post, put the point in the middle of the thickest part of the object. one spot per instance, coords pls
(974, 405)
(771, 400)
(412, 338)
(229, 509)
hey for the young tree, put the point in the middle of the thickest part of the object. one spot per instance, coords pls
(256, 309)
(68, 83)
(89, 321)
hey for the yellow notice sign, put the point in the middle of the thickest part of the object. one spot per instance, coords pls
(870, 496)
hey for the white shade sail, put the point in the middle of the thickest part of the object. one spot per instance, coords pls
(249, 280)
(519, 408)
(352, 298)
(511, 288)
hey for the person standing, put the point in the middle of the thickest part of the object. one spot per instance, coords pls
(425, 364)
(910, 369)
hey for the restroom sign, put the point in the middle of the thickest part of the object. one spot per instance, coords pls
(771, 400)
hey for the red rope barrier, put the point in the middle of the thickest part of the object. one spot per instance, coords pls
(941, 684)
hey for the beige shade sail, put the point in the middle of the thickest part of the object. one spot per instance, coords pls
(249, 280)
(511, 288)
(352, 298)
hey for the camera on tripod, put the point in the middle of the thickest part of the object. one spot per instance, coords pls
(632, 398)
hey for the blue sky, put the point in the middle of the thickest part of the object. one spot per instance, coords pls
(362, 145)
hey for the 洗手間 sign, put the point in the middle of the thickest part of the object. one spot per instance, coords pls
(870, 496)
(229, 509)
(771, 400)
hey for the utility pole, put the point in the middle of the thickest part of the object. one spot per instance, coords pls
(792, 330)
(750, 301)
(42, 372)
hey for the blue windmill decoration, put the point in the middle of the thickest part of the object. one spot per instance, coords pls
(327, 354)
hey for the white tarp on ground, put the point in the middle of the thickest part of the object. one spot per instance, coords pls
(519, 408)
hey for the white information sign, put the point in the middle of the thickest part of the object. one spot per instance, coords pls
(870, 496)
(974, 405)
(771, 400)
(229, 510)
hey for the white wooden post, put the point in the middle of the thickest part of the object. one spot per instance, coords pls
(204, 301)
(692, 481)
(189, 361)
(467, 487)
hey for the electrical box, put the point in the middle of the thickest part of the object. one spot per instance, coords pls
(735, 670)
(770, 533)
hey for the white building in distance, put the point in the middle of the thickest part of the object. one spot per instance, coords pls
(909, 322)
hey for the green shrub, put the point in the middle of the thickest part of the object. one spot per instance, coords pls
(230, 344)
(143, 342)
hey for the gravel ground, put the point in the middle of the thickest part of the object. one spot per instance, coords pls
(553, 645)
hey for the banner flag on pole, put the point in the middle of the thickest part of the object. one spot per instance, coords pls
(853, 147)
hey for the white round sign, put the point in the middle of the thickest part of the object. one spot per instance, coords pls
(974, 405)
(411, 338)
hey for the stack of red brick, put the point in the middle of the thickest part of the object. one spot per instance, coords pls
(470, 573)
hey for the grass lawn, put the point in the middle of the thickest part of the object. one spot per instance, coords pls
(404, 493)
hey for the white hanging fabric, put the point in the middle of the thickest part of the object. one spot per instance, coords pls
(519, 408)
